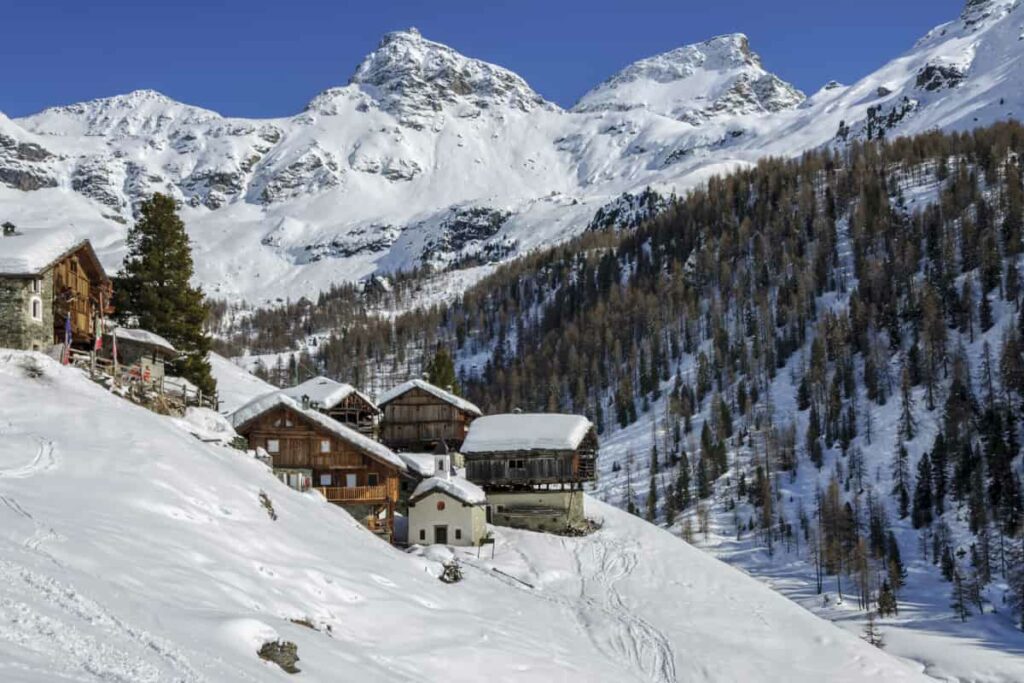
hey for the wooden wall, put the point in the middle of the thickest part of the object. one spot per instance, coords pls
(78, 291)
(417, 420)
(300, 448)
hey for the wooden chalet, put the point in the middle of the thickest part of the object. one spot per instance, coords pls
(521, 451)
(347, 467)
(342, 402)
(417, 415)
(533, 468)
(52, 287)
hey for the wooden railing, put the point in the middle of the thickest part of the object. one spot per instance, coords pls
(354, 494)
(138, 387)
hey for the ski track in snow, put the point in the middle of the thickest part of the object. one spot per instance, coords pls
(55, 625)
(599, 608)
(600, 566)
(44, 459)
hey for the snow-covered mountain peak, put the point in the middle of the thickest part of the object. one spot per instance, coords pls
(409, 75)
(140, 112)
(695, 83)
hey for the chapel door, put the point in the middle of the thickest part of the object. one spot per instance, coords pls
(441, 534)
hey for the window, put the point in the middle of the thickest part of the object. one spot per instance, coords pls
(440, 506)
(517, 464)
(325, 445)
(372, 479)
(423, 534)
(273, 446)
(325, 480)
(458, 534)
(37, 308)
(37, 286)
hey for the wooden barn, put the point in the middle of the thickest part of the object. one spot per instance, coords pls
(416, 416)
(533, 467)
(348, 468)
(343, 402)
(51, 285)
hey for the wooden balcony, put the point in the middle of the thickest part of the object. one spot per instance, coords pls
(355, 494)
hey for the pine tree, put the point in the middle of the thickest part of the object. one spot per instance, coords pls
(154, 290)
(652, 500)
(959, 599)
(901, 480)
(683, 496)
(871, 633)
(886, 600)
(922, 509)
(441, 370)
(907, 425)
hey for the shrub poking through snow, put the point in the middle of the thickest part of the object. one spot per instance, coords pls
(268, 506)
(283, 653)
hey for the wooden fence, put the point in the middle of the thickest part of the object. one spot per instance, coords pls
(139, 388)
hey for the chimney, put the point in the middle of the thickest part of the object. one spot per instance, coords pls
(10, 230)
(305, 402)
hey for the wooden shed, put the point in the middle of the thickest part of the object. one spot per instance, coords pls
(417, 415)
(338, 400)
(520, 450)
(533, 467)
(348, 468)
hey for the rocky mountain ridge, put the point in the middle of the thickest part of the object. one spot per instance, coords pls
(379, 174)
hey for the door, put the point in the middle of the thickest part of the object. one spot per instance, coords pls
(441, 534)
(350, 480)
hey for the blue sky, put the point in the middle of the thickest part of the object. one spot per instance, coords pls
(263, 58)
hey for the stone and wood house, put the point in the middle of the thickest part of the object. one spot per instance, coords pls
(533, 467)
(417, 416)
(338, 400)
(52, 285)
(347, 467)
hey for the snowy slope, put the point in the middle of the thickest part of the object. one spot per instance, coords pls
(429, 157)
(235, 385)
(130, 551)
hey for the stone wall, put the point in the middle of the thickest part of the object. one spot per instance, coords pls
(17, 328)
(538, 510)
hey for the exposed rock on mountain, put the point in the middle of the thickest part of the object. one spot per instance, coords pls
(420, 128)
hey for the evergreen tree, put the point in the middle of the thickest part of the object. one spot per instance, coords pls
(652, 500)
(901, 480)
(886, 600)
(922, 510)
(441, 370)
(683, 496)
(154, 291)
(960, 599)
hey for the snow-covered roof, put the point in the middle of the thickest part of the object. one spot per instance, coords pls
(146, 337)
(325, 392)
(419, 463)
(526, 432)
(447, 396)
(260, 405)
(181, 385)
(29, 252)
(456, 487)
